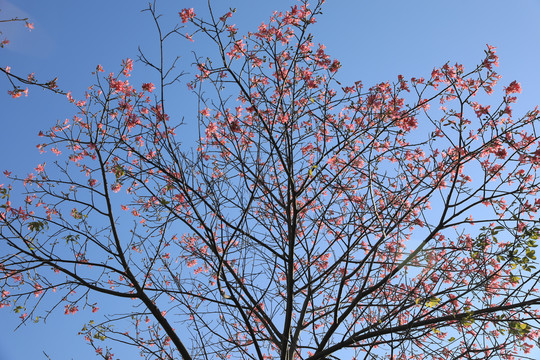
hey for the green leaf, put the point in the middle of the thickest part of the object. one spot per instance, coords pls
(119, 171)
(71, 238)
(37, 226)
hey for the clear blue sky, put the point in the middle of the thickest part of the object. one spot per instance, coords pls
(374, 40)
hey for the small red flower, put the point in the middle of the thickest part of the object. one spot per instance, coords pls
(186, 14)
(148, 87)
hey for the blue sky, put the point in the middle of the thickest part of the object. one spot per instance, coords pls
(374, 40)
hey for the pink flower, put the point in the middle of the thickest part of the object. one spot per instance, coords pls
(501, 153)
(18, 93)
(40, 168)
(237, 50)
(192, 263)
(186, 14)
(211, 130)
(335, 66)
(29, 178)
(116, 187)
(148, 87)
(70, 309)
(39, 290)
(224, 17)
(30, 26)
(127, 66)
(92, 182)
(513, 88)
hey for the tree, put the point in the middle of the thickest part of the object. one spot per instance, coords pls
(310, 220)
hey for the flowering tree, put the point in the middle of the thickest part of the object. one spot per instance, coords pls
(310, 220)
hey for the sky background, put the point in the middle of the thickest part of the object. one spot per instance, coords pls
(374, 40)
